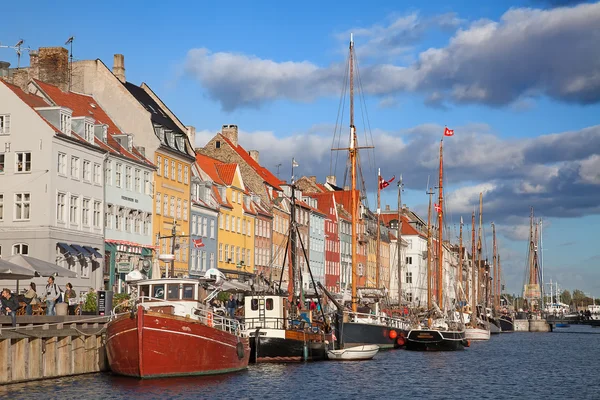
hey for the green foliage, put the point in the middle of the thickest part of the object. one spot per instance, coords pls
(223, 296)
(121, 301)
(578, 296)
(565, 297)
(90, 304)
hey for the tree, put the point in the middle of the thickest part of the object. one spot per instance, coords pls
(578, 297)
(565, 296)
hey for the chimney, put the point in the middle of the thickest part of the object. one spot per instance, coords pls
(4, 69)
(119, 67)
(331, 179)
(387, 207)
(191, 134)
(34, 64)
(313, 179)
(254, 155)
(53, 64)
(231, 133)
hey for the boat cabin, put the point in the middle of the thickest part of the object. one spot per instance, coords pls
(177, 296)
(265, 311)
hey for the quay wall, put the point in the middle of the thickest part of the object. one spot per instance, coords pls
(521, 325)
(51, 347)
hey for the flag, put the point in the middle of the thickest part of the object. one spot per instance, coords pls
(448, 132)
(383, 183)
(198, 243)
(438, 209)
(294, 163)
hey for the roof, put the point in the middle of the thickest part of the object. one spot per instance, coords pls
(157, 114)
(209, 166)
(324, 201)
(84, 105)
(344, 197)
(407, 227)
(28, 98)
(264, 173)
(226, 172)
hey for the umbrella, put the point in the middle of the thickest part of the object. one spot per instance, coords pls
(155, 272)
(11, 271)
(41, 267)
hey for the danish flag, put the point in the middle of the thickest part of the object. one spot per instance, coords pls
(438, 209)
(383, 183)
(448, 132)
(198, 242)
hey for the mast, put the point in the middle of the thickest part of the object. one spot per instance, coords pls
(473, 275)
(429, 274)
(378, 243)
(479, 246)
(354, 203)
(499, 282)
(440, 279)
(399, 236)
(293, 243)
(460, 253)
(495, 296)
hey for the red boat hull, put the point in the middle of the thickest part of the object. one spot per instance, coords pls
(153, 345)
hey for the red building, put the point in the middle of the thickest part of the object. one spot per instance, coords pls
(326, 204)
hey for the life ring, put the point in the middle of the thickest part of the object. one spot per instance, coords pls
(240, 350)
(209, 319)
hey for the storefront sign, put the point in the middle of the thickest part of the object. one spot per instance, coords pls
(123, 248)
(124, 267)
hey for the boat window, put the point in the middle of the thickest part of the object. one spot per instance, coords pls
(144, 290)
(254, 304)
(188, 291)
(173, 291)
(158, 291)
(269, 304)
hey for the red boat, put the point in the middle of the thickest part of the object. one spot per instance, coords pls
(171, 333)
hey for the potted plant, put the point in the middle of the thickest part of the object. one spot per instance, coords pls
(121, 302)
(90, 304)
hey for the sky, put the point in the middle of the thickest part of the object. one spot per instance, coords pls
(518, 81)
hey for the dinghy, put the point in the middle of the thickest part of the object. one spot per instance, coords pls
(357, 353)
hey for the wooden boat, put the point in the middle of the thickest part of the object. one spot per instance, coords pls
(357, 353)
(172, 333)
(478, 333)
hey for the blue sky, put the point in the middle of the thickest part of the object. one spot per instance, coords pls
(518, 81)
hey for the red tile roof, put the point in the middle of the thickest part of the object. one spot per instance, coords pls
(226, 172)
(267, 176)
(31, 100)
(209, 166)
(407, 227)
(324, 201)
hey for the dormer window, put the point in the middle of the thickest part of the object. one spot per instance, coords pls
(171, 138)
(88, 132)
(65, 123)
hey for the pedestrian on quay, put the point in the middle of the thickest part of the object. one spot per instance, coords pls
(51, 294)
(10, 305)
(31, 298)
(70, 294)
(231, 306)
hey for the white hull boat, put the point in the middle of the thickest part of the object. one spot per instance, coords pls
(356, 353)
(477, 334)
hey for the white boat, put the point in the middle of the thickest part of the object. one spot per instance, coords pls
(477, 334)
(356, 353)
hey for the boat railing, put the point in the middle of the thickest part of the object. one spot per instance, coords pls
(283, 323)
(376, 319)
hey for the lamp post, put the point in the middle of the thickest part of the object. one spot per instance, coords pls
(173, 238)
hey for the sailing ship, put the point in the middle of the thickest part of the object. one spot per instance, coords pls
(278, 330)
(172, 332)
(438, 332)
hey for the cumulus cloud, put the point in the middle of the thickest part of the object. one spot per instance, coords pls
(526, 53)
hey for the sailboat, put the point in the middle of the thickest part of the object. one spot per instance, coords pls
(439, 332)
(278, 331)
(352, 327)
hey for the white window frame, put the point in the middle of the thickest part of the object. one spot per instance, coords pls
(97, 174)
(2, 162)
(61, 207)
(24, 166)
(128, 178)
(75, 167)
(85, 211)
(20, 247)
(108, 173)
(158, 165)
(137, 180)
(119, 175)
(25, 205)
(186, 174)
(4, 124)
(158, 203)
(97, 214)
(166, 164)
(87, 171)
(74, 209)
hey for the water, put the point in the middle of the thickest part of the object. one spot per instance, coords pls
(563, 364)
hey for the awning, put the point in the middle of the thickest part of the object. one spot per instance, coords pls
(111, 248)
(67, 249)
(146, 252)
(41, 267)
(81, 250)
(93, 252)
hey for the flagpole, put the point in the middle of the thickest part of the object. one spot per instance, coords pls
(378, 254)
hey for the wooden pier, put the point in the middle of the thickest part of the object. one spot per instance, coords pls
(42, 347)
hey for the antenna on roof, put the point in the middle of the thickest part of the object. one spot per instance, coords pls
(17, 48)
(70, 41)
(277, 166)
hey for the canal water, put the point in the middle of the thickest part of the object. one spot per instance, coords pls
(558, 365)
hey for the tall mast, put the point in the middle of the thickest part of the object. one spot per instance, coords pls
(495, 266)
(473, 275)
(499, 281)
(479, 247)
(354, 196)
(440, 279)
(429, 272)
(399, 236)
(460, 253)
(293, 244)
(378, 243)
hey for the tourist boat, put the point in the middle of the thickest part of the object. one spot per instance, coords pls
(356, 353)
(172, 332)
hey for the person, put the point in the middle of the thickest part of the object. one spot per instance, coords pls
(231, 305)
(31, 298)
(51, 294)
(70, 294)
(10, 305)
(313, 305)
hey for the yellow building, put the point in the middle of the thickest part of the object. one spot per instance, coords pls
(235, 239)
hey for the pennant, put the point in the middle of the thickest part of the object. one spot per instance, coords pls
(198, 243)
(294, 163)
(383, 183)
(448, 132)
(438, 209)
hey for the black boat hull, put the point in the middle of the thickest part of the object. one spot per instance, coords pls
(434, 340)
(358, 334)
(285, 350)
(506, 324)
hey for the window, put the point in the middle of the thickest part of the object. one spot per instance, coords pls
(4, 124)
(74, 210)
(158, 200)
(248, 257)
(186, 173)
(2, 159)
(178, 208)
(269, 304)
(147, 183)
(218, 144)
(408, 260)
(1, 208)
(97, 174)
(204, 261)
(118, 221)
(227, 259)
(147, 224)
(194, 222)
(166, 167)
(60, 207)
(158, 165)
(220, 251)
(172, 169)
(22, 206)
(138, 181)
(108, 218)
(409, 297)
(75, 167)
(108, 173)
(172, 208)
(185, 210)
(188, 291)
(220, 217)
(212, 228)
(118, 175)
(166, 205)
(204, 226)
(20, 248)
(23, 161)
(239, 225)
(88, 133)
(227, 222)
(87, 171)
(85, 212)
(409, 277)
(65, 124)
(178, 172)
(136, 224)
(128, 178)
(96, 221)
(212, 260)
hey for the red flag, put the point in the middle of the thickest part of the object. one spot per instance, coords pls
(383, 183)
(438, 209)
(198, 242)
(448, 132)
